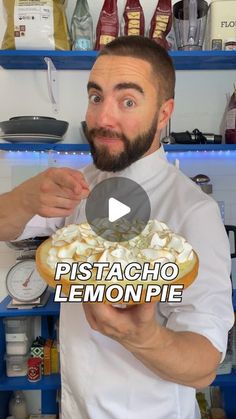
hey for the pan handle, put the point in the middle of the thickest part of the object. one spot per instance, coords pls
(232, 229)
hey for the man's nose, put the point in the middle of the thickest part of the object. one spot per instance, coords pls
(107, 114)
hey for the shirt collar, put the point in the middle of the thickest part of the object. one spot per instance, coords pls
(145, 167)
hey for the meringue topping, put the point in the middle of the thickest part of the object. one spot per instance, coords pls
(156, 243)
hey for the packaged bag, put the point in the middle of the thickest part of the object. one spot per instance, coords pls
(108, 24)
(82, 27)
(36, 24)
(133, 16)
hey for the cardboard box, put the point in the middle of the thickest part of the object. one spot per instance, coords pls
(37, 350)
(47, 357)
(54, 358)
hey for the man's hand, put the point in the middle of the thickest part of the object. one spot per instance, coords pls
(132, 326)
(53, 193)
(186, 358)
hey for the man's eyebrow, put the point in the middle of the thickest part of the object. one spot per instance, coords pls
(129, 85)
(119, 86)
(93, 85)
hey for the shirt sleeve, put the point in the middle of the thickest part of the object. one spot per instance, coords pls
(206, 306)
(40, 226)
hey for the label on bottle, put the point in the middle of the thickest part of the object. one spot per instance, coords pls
(82, 44)
(105, 39)
(230, 119)
(133, 23)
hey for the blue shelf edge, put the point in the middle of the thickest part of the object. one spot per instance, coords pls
(50, 309)
(225, 380)
(49, 382)
(83, 60)
(68, 147)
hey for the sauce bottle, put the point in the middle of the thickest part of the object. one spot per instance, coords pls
(134, 23)
(161, 23)
(108, 24)
(82, 27)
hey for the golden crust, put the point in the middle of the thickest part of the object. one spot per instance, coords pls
(187, 273)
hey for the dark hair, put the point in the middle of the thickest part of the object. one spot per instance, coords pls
(148, 50)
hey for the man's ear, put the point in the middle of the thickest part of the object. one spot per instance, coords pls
(165, 113)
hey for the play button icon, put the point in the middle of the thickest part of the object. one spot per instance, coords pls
(118, 209)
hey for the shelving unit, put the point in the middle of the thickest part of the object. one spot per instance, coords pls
(74, 60)
(83, 60)
(48, 384)
(66, 147)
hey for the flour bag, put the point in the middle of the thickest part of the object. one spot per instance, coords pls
(36, 24)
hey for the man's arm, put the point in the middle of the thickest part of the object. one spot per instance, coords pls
(53, 193)
(183, 357)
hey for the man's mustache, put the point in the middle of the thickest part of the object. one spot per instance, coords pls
(106, 133)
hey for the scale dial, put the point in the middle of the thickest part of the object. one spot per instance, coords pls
(24, 283)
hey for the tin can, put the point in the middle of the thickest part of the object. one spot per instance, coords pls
(34, 369)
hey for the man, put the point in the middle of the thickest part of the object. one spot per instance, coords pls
(145, 361)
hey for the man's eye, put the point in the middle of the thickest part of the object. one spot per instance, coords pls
(129, 103)
(94, 99)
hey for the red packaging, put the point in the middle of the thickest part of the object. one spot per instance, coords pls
(161, 23)
(108, 24)
(134, 23)
(34, 369)
(230, 120)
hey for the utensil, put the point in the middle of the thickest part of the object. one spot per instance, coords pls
(30, 138)
(42, 125)
(189, 19)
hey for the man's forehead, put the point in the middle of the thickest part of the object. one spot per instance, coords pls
(121, 69)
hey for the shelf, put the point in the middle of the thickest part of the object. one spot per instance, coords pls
(83, 60)
(225, 380)
(49, 382)
(50, 309)
(65, 147)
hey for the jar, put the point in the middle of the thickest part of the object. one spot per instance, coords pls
(34, 369)
(230, 44)
(17, 405)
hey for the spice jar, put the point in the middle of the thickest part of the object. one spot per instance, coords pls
(34, 369)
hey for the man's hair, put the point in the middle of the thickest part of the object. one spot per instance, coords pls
(148, 50)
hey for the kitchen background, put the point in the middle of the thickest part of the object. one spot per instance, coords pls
(201, 99)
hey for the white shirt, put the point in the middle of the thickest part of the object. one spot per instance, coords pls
(100, 378)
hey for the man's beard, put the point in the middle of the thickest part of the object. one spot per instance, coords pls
(133, 149)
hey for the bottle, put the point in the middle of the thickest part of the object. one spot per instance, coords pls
(134, 23)
(230, 131)
(17, 405)
(108, 24)
(161, 23)
(82, 27)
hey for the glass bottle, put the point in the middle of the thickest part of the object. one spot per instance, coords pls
(17, 405)
(82, 27)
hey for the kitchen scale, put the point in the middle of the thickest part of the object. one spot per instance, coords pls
(25, 286)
